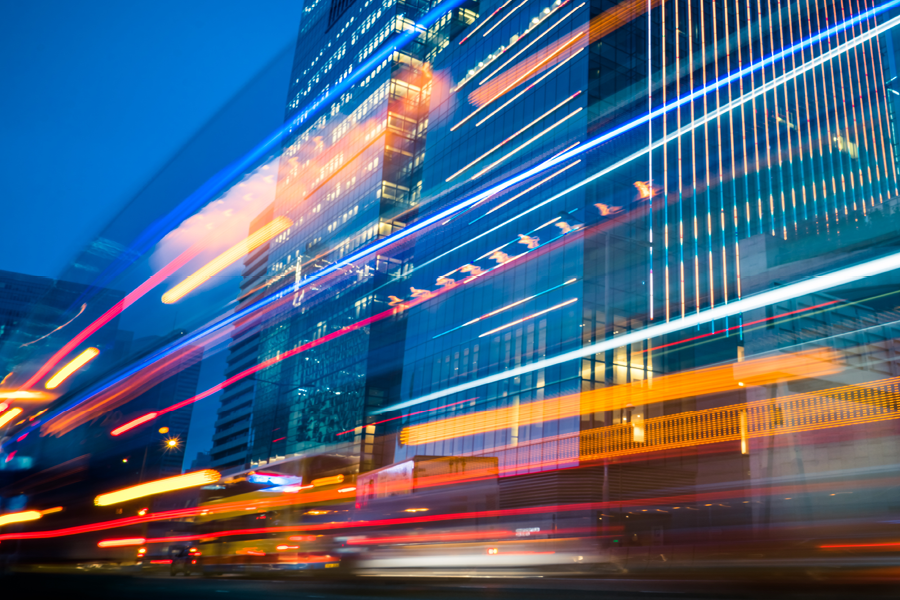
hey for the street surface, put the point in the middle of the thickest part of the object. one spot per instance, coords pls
(158, 587)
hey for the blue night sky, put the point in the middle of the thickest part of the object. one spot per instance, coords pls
(99, 96)
(113, 104)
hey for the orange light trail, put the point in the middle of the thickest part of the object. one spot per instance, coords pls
(121, 542)
(169, 484)
(236, 252)
(76, 363)
(9, 415)
(134, 423)
(659, 389)
(520, 78)
(19, 517)
(600, 26)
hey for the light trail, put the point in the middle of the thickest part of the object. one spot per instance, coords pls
(663, 142)
(19, 517)
(514, 136)
(273, 143)
(505, 308)
(506, 16)
(9, 415)
(529, 317)
(327, 338)
(712, 380)
(170, 484)
(112, 313)
(484, 22)
(530, 86)
(121, 542)
(76, 363)
(526, 190)
(46, 335)
(450, 211)
(236, 252)
(747, 303)
(418, 412)
(520, 79)
(529, 30)
(526, 143)
(134, 423)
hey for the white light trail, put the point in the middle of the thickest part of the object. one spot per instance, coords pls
(819, 283)
(514, 136)
(740, 100)
(529, 317)
(519, 53)
(526, 144)
(524, 90)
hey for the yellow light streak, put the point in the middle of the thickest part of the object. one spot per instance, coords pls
(169, 484)
(9, 415)
(19, 517)
(656, 390)
(328, 480)
(50, 511)
(76, 363)
(231, 255)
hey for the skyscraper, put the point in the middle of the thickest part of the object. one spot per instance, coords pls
(681, 156)
(350, 177)
(232, 436)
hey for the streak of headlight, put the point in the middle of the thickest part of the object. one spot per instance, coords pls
(514, 135)
(525, 191)
(179, 482)
(112, 313)
(484, 22)
(236, 252)
(134, 423)
(712, 380)
(19, 517)
(76, 363)
(505, 308)
(745, 304)
(677, 133)
(530, 86)
(121, 542)
(599, 27)
(526, 144)
(531, 316)
(505, 17)
(46, 335)
(448, 212)
(9, 415)
(535, 40)
(418, 412)
(688, 499)
(22, 395)
(319, 341)
(520, 78)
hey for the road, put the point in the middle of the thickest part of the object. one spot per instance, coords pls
(118, 586)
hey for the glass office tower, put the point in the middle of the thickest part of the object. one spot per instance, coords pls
(690, 166)
(684, 204)
(348, 178)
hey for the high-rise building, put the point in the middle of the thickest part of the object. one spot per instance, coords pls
(680, 164)
(348, 178)
(232, 435)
